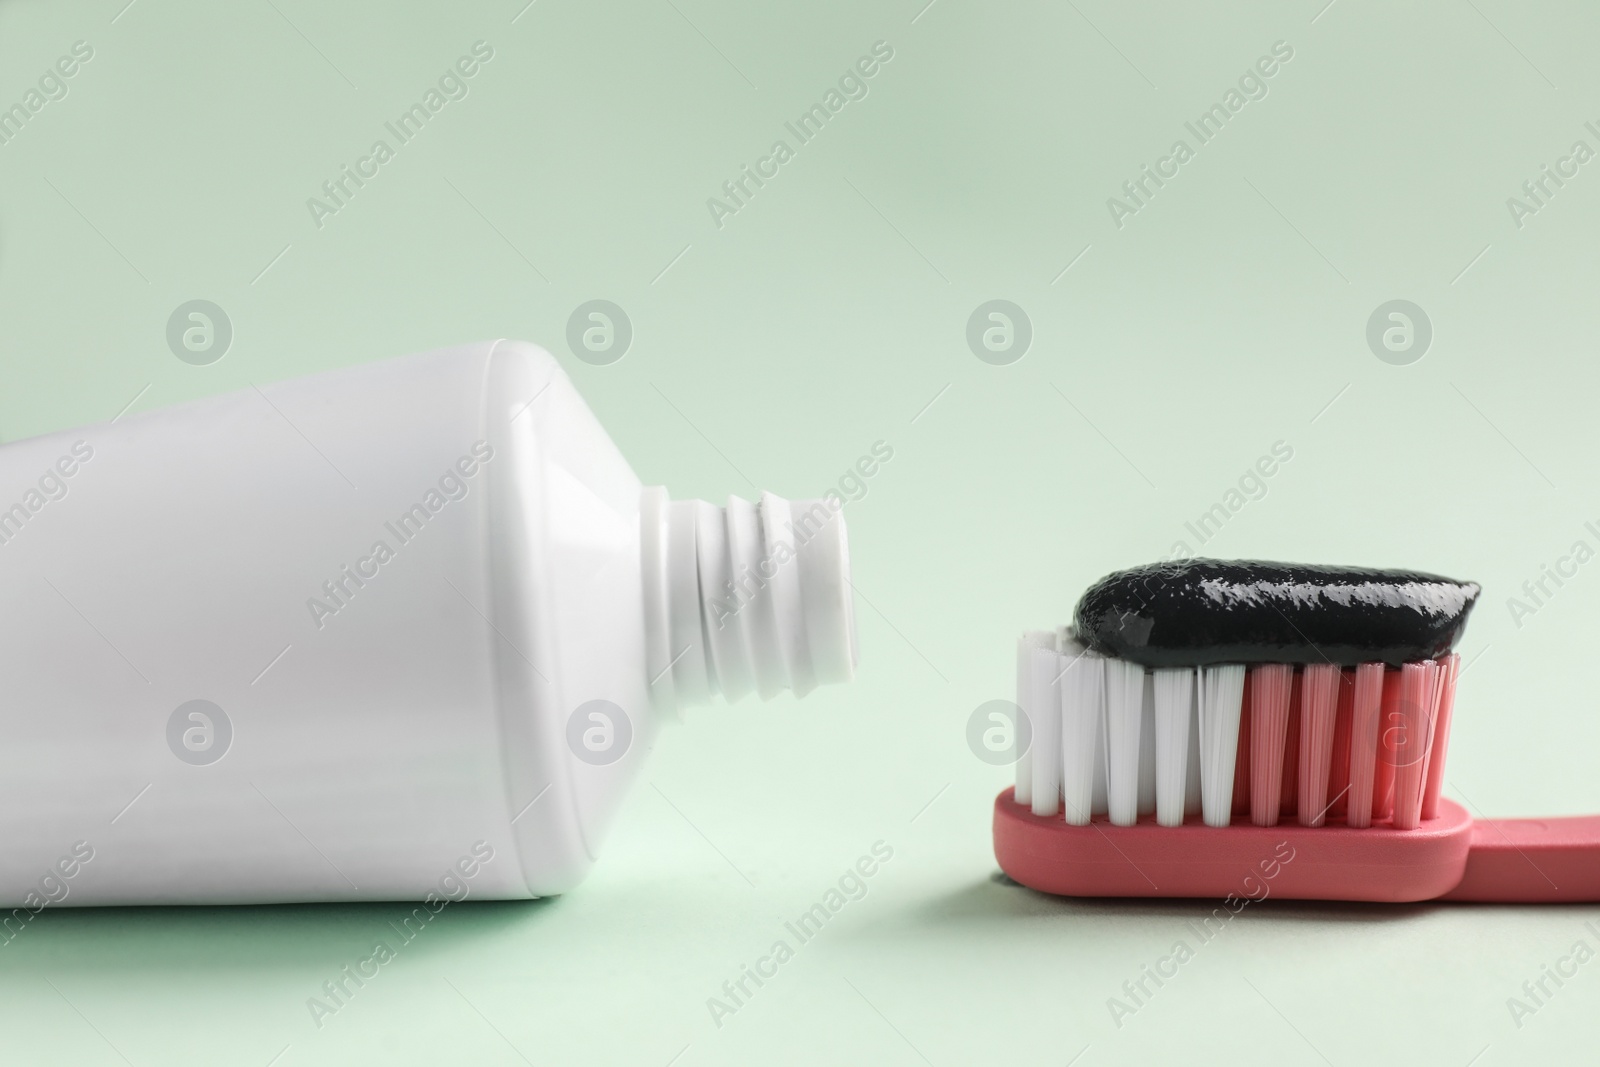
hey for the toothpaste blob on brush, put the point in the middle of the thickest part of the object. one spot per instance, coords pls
(1199, 612)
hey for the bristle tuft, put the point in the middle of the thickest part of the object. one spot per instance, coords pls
(1269, 725)
(1124, 717)
(1419, 704)
(1026, 644)
(1045, 715)
(1449, 671)
(1319, 706)
(1082, 697)
(1366, 705)
(1147, 747)
(1174, 702)
(1221, 693)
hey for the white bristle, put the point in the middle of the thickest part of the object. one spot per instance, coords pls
(1082, 698)
(1097, 788)
(1124, 716)
(1147, 748)
(1174, 704)
(1221, 697)
(1271, 686)
(1098, 803)
(1025, 646)
(1045, 715)
(1191, 791)
(1319, 704)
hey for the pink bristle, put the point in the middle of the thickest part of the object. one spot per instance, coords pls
(1270, 687)
(1366, 707)
(1319, 706)
(1339, 766)
(1450, 670)
(1241, 762)
(1289, 792)
(1389, 728)
(1413, 739)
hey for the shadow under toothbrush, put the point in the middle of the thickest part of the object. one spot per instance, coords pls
(998, 899)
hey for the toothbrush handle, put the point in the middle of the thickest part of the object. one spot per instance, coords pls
(1532, 861)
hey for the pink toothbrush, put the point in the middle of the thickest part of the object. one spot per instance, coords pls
(1245, 729)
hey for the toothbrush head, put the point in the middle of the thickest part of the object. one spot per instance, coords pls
(1194, 696)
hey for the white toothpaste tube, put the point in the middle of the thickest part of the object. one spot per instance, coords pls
(374, 634)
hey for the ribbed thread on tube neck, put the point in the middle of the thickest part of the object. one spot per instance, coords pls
(746, 597)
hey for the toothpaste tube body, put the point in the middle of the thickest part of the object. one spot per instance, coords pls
(368, 635)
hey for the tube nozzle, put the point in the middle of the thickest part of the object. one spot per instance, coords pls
(744, 597)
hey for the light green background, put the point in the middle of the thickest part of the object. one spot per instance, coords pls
(771, 353)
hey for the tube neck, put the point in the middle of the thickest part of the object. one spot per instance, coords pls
(744, 597)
